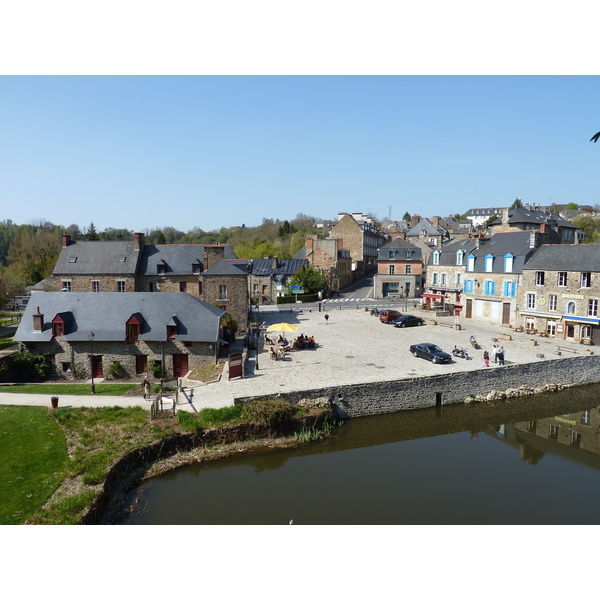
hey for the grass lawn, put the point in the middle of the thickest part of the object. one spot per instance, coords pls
(34, 458)
(69, 389)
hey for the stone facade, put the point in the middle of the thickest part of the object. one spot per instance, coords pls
(562, 306)
(454, 388)
(93, 283)
(332, 259)
(72, 360)
(230, 293)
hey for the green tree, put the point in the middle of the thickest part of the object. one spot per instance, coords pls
(571, 206)
(406, 216)
(309, 279)
(517, 203)
(91, 235)
(161, 239)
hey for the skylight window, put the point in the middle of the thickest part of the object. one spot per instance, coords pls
(73, 259)
(122, 259)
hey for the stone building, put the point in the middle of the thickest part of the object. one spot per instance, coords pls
(399, 270)
(445, 273)
(560, 292)
(226, 285)
(556, 229)
(331, 258)
(85, 333)
(269, 278)
(362, 238)
(428, 232)
(97, 266)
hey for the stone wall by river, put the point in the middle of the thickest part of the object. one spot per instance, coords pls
(425, 392)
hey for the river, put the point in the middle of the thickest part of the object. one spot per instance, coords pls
(530, 461)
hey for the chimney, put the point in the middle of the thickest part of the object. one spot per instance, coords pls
(436, 222)
(38, 320)
(505, 216)
(66, 239)
(138, 241)
(533, 240)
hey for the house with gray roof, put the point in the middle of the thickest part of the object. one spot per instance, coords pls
(428, 232)
(560, 293)
(399, 270)
(555, 228)
(85, 333)
(269, 277)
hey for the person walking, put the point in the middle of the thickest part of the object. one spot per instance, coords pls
(495, 349)
(146, 389)
(486, 359)
(501, 355)
(326, 318)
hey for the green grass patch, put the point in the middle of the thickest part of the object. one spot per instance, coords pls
(206, 373)
(34, 459)
(6, 343)
(69, 389)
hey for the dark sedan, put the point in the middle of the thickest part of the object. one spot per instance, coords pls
(408, 321)
(430, 352)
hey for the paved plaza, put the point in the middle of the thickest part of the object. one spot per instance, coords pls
(352, 347)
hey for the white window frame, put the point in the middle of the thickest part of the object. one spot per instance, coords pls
(539, 277)
(592, 307)
(530, 300)
(585, 280)
(552, 302)
(562, 279)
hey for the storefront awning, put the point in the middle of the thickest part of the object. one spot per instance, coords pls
(588, 320)
(434, 296)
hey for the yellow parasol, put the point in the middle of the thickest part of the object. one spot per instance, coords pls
(282, 327)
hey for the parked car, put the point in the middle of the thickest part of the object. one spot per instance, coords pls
(408, 321)
(387, 316)
(431, 352)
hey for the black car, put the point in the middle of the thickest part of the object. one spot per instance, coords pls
(407, 321)
(430, 352)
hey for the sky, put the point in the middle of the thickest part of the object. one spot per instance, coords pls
(144, 152)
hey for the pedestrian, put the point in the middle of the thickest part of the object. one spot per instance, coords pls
(326, 318)
(501, 355)
(486, 359)
(146, 385)
(495, 349)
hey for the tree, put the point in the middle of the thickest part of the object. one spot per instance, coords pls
(309, 279)
(91, 235)
(517, 203)
(406, 216)
(161, 239)
(571, 206)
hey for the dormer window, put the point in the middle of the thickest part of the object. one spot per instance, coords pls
(58, 329)
(171, 332)
(133, 329)
(489, 263)
(460, 257)
(196, 267)
(161, 268)
(436, 257)
(509, 261)
(471, 262)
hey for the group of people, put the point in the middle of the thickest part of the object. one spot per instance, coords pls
(497, 356)
(281, 345)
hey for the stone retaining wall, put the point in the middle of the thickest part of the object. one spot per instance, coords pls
(425, 392)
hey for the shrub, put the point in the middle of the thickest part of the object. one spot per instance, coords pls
(24, 366)
(115, 370)
(155, 367)
(270, 413)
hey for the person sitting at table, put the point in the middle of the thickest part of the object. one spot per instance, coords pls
(311, 342)
(269, 341)
(301, 342)
(272, 353)
(281, 353)
(285, 344)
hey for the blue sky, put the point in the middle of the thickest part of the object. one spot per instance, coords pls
(210, 151)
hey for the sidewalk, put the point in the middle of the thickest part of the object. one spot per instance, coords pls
(353, 347)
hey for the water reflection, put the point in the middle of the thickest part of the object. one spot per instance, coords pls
(454, 465)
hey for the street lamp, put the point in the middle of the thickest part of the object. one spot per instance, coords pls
(257, 337)
(91, 338)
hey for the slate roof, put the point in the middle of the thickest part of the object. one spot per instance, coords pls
(427, 226)
(399, 245)
(534, 217)
(264, 266)
(106, 313)
(97, 258)
(230, 267)
(566, 257)
(178, 258)
(448, 252)
(515, 242)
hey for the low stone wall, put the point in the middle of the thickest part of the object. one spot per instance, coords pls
(453, 388)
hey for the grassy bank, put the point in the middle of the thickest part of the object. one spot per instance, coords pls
(34, 458)
(58, 460)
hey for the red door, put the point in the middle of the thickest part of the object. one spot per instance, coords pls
(97, 366)
(180, 365)
(141, 364)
